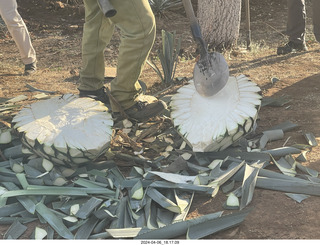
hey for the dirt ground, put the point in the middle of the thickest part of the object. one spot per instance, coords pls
(56, 34)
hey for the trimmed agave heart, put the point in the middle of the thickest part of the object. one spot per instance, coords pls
(65, 130)
(216, 122)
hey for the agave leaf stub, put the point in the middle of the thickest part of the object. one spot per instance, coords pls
(65, 129)
(216, 122)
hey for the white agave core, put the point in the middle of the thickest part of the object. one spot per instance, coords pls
(206, 121)
(69, 124)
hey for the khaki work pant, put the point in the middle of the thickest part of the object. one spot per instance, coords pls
(18, 30)
(136, 22)
(296, 24)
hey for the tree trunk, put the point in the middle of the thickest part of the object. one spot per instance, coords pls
(220, 22)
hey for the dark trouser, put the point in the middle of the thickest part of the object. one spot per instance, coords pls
(296, 24)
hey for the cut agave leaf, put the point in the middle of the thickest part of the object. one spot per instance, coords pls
(5, 136)
(297, 197)
(216, 122)
(163, 201)
(232, 202)
(66, 129)
(212, 226)
(137, 191)
(39, 233)
(15, 230)
(248, 185)
(175, 229)
(55, 222)
(124, 232)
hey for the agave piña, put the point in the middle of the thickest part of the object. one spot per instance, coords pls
(216, 122)
(65, 130)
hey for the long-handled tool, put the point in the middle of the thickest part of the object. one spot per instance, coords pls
(107, 8)
(211, 71)
(247, 6)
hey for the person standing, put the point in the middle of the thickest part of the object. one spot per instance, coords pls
(296, 26)
(136, 22)
(19, 32)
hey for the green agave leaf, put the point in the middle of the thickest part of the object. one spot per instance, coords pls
(209, 227)
(270, 135)
(285, 126)
(151, 213)
(50, 233)
(175, 229)
(164, 217)
(248, 156)
(228, 186)
(15, 230)
(10, 220)
(53, 190)
(9, 209)
(182, 199)
(66, 203)
(293, 162)
(137, 191)
(16, 166)
(174, 178)
(282, 151)
(6, 164)
(3, 200)
(307, 170)
(225, 177)
(55, 222)
(311, 139)
(232, 202)
(88, 207)
(284, 167)
(39, 233)
(292, 186)
(297, 197)
(43, 191)
(23, 180)
(86, 229)
(156, 69)
(69, 220)
(275, 175)
(123, 233)
(163, 201)
(187, 187)
(13, 152)
(89, 184)
(27, 202)
(248, 185)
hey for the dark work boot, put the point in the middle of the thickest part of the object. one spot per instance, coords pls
(143, 110)
(100, 95)
(30, 68)
(292, 47)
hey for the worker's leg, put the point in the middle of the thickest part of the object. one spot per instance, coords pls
(296, 24)
(97, 33)
(136, 21)
(18, 30)
(316, 19)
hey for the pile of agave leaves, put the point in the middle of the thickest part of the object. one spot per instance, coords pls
(153, 198)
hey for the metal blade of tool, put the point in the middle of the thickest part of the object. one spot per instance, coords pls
(211, 71)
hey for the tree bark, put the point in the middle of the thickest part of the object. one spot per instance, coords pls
(220, 22)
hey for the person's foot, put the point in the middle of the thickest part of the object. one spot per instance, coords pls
(146, 108)
(30, 69)
(292, 47)
(100, 95)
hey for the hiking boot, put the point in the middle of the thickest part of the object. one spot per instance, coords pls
(144, 109)
(100, 95)
(30, 69)
(292, 47)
